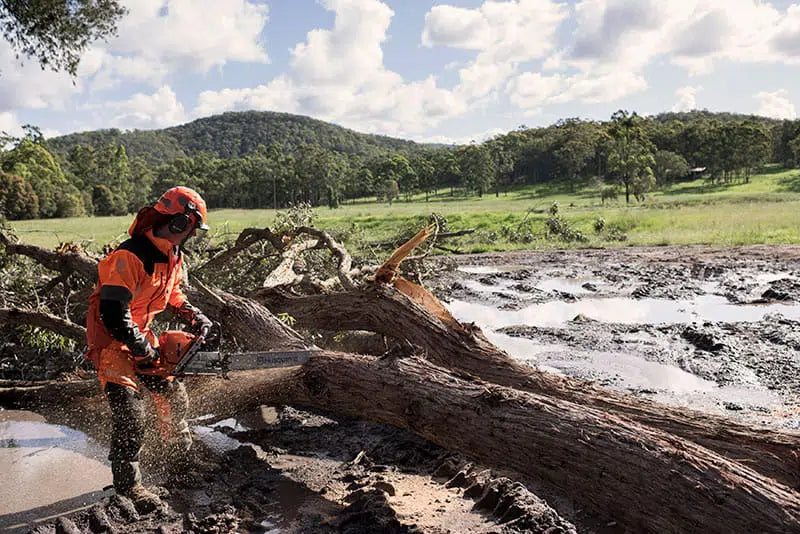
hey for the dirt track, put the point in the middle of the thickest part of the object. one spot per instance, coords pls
(712, 329)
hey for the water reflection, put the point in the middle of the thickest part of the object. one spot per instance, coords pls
(46, 469)
(631, 372)
(621, 310)
(569, 285)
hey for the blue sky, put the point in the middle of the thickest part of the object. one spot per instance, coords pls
(426, 70)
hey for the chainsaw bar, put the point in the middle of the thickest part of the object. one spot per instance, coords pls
(214, 363)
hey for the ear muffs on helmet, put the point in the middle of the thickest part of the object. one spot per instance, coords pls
(179, 222)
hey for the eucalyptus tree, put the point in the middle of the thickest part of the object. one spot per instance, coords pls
(669, 166)
(34, 164)
(478, 168)
(631, 160)
(57, 32)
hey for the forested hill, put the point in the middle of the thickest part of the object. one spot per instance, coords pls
(235, 134)
(704, 115)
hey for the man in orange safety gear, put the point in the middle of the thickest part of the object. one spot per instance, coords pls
(137, 281)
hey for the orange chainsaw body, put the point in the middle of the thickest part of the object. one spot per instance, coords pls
(173, 345)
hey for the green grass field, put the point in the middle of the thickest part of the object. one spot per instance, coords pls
(766, 210)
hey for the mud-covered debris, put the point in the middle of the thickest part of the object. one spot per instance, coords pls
(218, 523)
(564, 295)
(370, 512)
(98, 520)
(65, 525)
(520, 510)
(705, 271)
(463, 478)
(785, 290)
(385, 487)
(642, 291)
(703, 338)
(123, 508)
(449, 466)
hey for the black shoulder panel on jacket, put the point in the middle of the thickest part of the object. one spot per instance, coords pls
(145, 250)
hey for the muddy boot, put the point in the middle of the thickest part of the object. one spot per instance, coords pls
(144, 500)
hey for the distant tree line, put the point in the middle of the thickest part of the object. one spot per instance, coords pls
(242, 163)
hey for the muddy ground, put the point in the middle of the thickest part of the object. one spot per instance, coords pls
(716, 330)
(710, 329)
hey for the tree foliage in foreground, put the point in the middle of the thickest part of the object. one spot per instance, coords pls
(56, 32)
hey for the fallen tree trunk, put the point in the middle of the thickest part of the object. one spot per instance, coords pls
(646, 479)
(65, 327)
(381, 309)
(606, 461)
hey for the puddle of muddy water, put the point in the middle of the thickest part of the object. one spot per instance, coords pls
(213, 438)
(490, 269)
(47, 470)
(569, 285)
(630, 372)
(503, 286)
(621, 310)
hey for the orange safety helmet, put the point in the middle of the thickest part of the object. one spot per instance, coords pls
(180, 202)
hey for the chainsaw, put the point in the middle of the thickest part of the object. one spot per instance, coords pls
(182, 354)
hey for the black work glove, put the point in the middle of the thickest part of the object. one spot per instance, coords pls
(201, 325)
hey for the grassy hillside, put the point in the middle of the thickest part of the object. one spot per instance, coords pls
(235, 134)
(767, 210)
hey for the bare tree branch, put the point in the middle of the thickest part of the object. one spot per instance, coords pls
(344, 261)
(283, 274)
(63, 262)
(247, 238)
(65, 327)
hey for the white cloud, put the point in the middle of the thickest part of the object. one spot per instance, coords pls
(462, 139)
(158, 110)
(630, 34)
(350, 52)
(504, 33)
(457, 27)
(614, 40)
(532, 90)
(10, 124)
(279, 94)
(49, 133)
(157, 38)
(775, 104)
(28, 86)
(338, 74)
(608, 87)
(687, 98)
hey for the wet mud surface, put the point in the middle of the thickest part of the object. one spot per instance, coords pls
(710, 329)
(716, 330)
(292, 471)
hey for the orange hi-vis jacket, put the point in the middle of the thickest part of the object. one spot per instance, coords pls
(142, 276)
